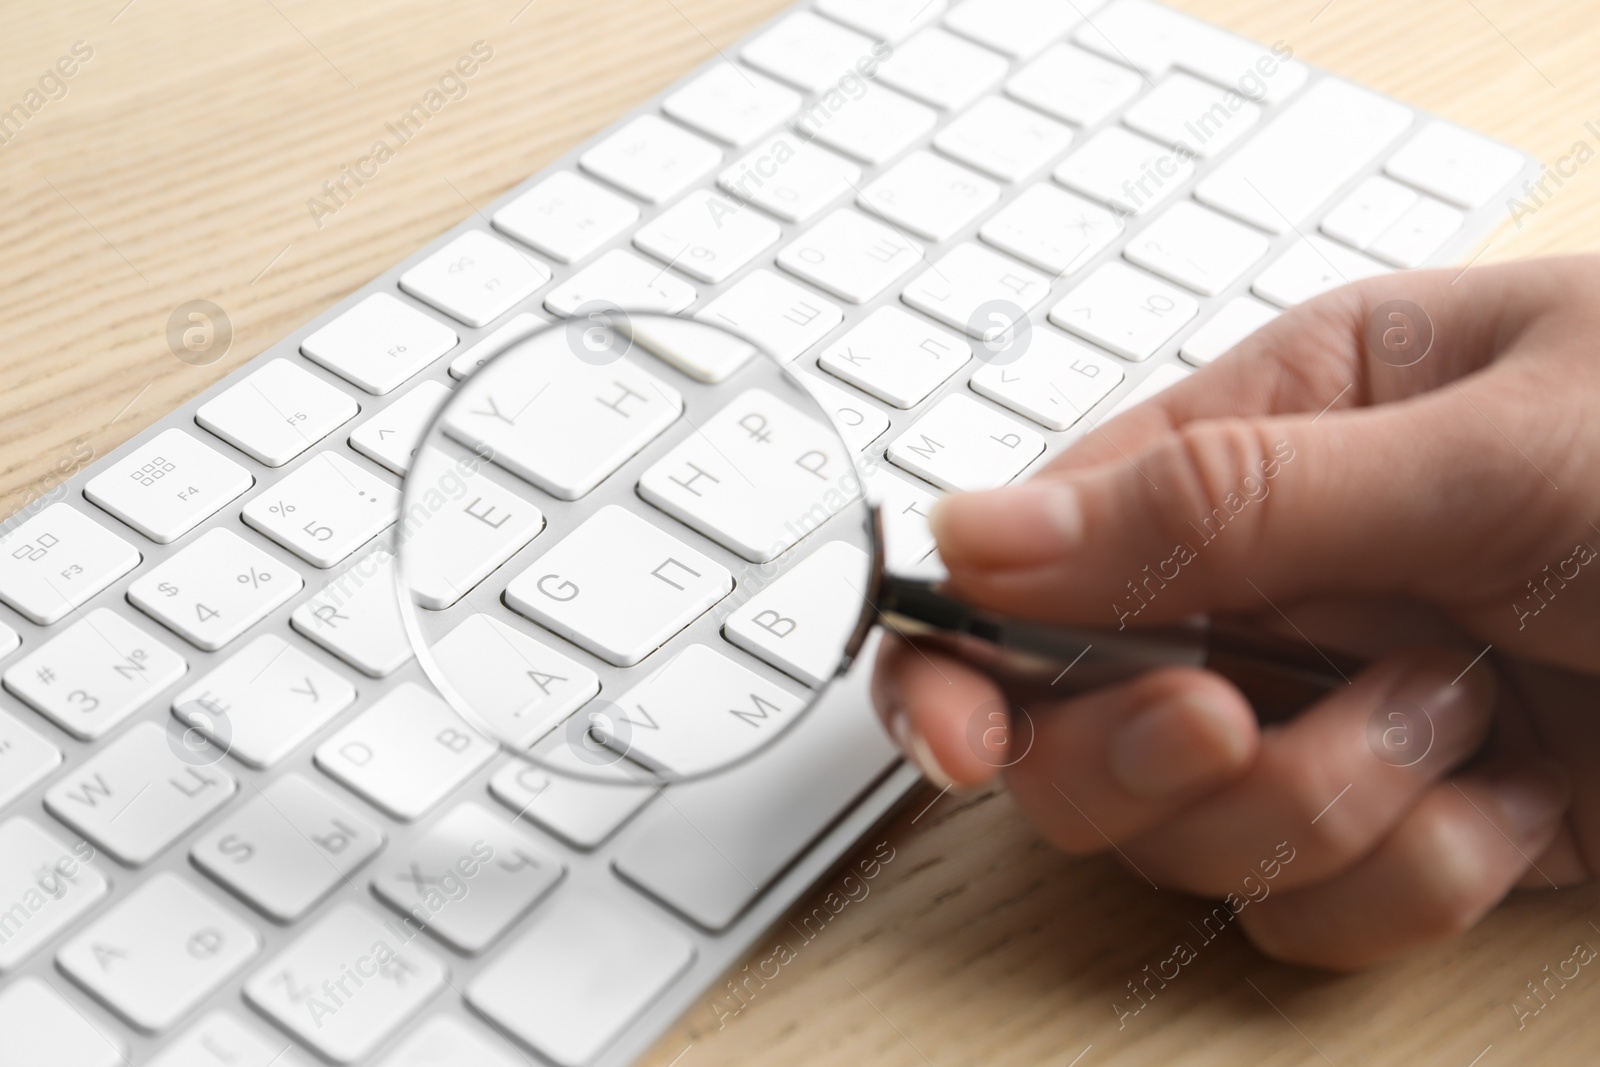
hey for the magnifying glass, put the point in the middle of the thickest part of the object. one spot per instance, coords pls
(636, 548)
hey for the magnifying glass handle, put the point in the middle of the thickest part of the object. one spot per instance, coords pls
(1279, 677)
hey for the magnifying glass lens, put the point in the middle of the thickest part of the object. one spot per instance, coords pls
(633, 548)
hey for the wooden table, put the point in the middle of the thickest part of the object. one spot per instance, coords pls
(178, 166)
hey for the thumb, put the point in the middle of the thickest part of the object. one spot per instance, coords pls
(1218, 515)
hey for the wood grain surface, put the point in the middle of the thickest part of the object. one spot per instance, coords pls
(178, 166)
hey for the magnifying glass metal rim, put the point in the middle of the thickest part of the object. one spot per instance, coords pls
(636, 771)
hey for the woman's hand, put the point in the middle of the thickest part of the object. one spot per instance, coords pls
(1320, 482)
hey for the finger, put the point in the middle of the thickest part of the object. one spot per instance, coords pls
(1332, 782)
(1237, 515)
(1320, 353)
(1451, 859)
(926, 701)
(1107, 766)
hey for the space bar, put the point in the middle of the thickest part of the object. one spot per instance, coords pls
(1307, 154)
(708, 848)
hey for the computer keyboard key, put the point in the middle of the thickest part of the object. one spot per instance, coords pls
(1300, 159)
(963, 446)
(682, 344)
(47, 885)
(1457, 165)
(158, 953)
(799, 623)
(469, 853)
(380, 342)
(1197, 248)
(812, 53)
(930, 196)
(733, 104)
(707, 858)
(1074, 85)
(1186, 112)
(568, 426)
(904, 506)
(1153, 38)
(9, 640)
(26, 759)
(1236, 320)
(616, 960)
(1127, 172)
(941, 69)
(707, 236)
(477, 528)
(522, 687)
(791, 178)
(475, 279)
(850, 256)
(651, 158)
(214, 589)
(872, 128)
(1053, 381)
(623, 280)
(1003, 139)
(502, 337)
(780, 317)
(755, 478)
(57, 560)
(221, 1040)
(325, 510)
(618, 586)
(94, 674)
(885, 20)
(406, 753)
(581, 801)
(443, 1041)
(1158, 380)
(277, 412)
(356, 616)
(168, 486)
(288, 848)
(1125, 310)
(263, 701)
(136, 796)
(1051, 229)
(1019, 28)
(41, 1027)
(348, 983)
(1420, 232)
(896, 356)
(1363, 216)
(566, 217)
(390, 437)
(857, 421)
(975, 290)
(1310, 268)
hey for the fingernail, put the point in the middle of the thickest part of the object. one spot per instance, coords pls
(1457, 706)
(1532, 796)
(1014, 527)
(1176, 745)
(917, 750)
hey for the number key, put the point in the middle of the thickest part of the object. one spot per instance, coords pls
(94, 674)
(215, 589)
(325, 510)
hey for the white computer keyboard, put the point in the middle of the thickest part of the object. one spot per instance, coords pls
(1146, 188)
